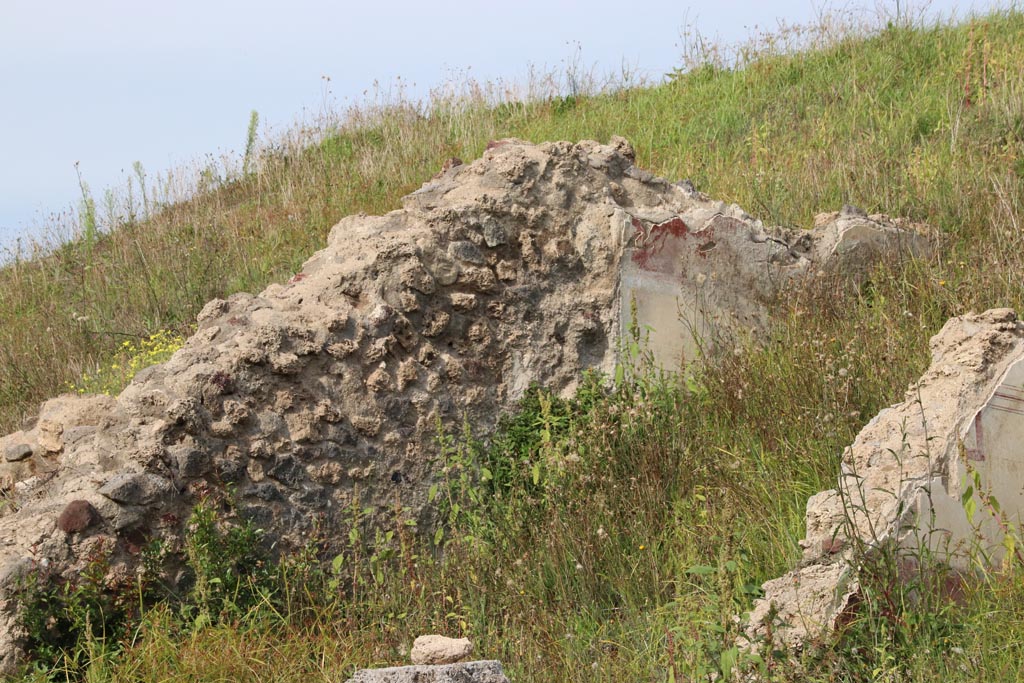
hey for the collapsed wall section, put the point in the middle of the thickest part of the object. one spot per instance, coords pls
(904, 482)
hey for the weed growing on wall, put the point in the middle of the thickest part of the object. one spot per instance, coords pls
(63, 618)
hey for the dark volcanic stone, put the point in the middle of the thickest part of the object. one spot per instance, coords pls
(78, 516)
(131, 488)
(286, 471)
(264, 491)
(466, 252)
(229, 471)
(17, 452)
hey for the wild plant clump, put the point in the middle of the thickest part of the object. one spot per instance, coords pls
(131, 357)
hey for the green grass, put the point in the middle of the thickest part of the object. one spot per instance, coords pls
(614, 536)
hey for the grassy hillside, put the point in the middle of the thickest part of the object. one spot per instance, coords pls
(628, 564)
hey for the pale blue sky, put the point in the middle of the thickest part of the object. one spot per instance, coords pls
(109, 82)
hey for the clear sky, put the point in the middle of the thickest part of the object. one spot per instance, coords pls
(109, 82)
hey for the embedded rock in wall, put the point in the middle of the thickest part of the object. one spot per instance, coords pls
(902, 487)
(507, 271)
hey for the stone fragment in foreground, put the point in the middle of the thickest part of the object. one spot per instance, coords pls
(904, 481)
(437, 649)
(483, 671)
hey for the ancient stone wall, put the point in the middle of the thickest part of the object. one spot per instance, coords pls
(507, 271)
